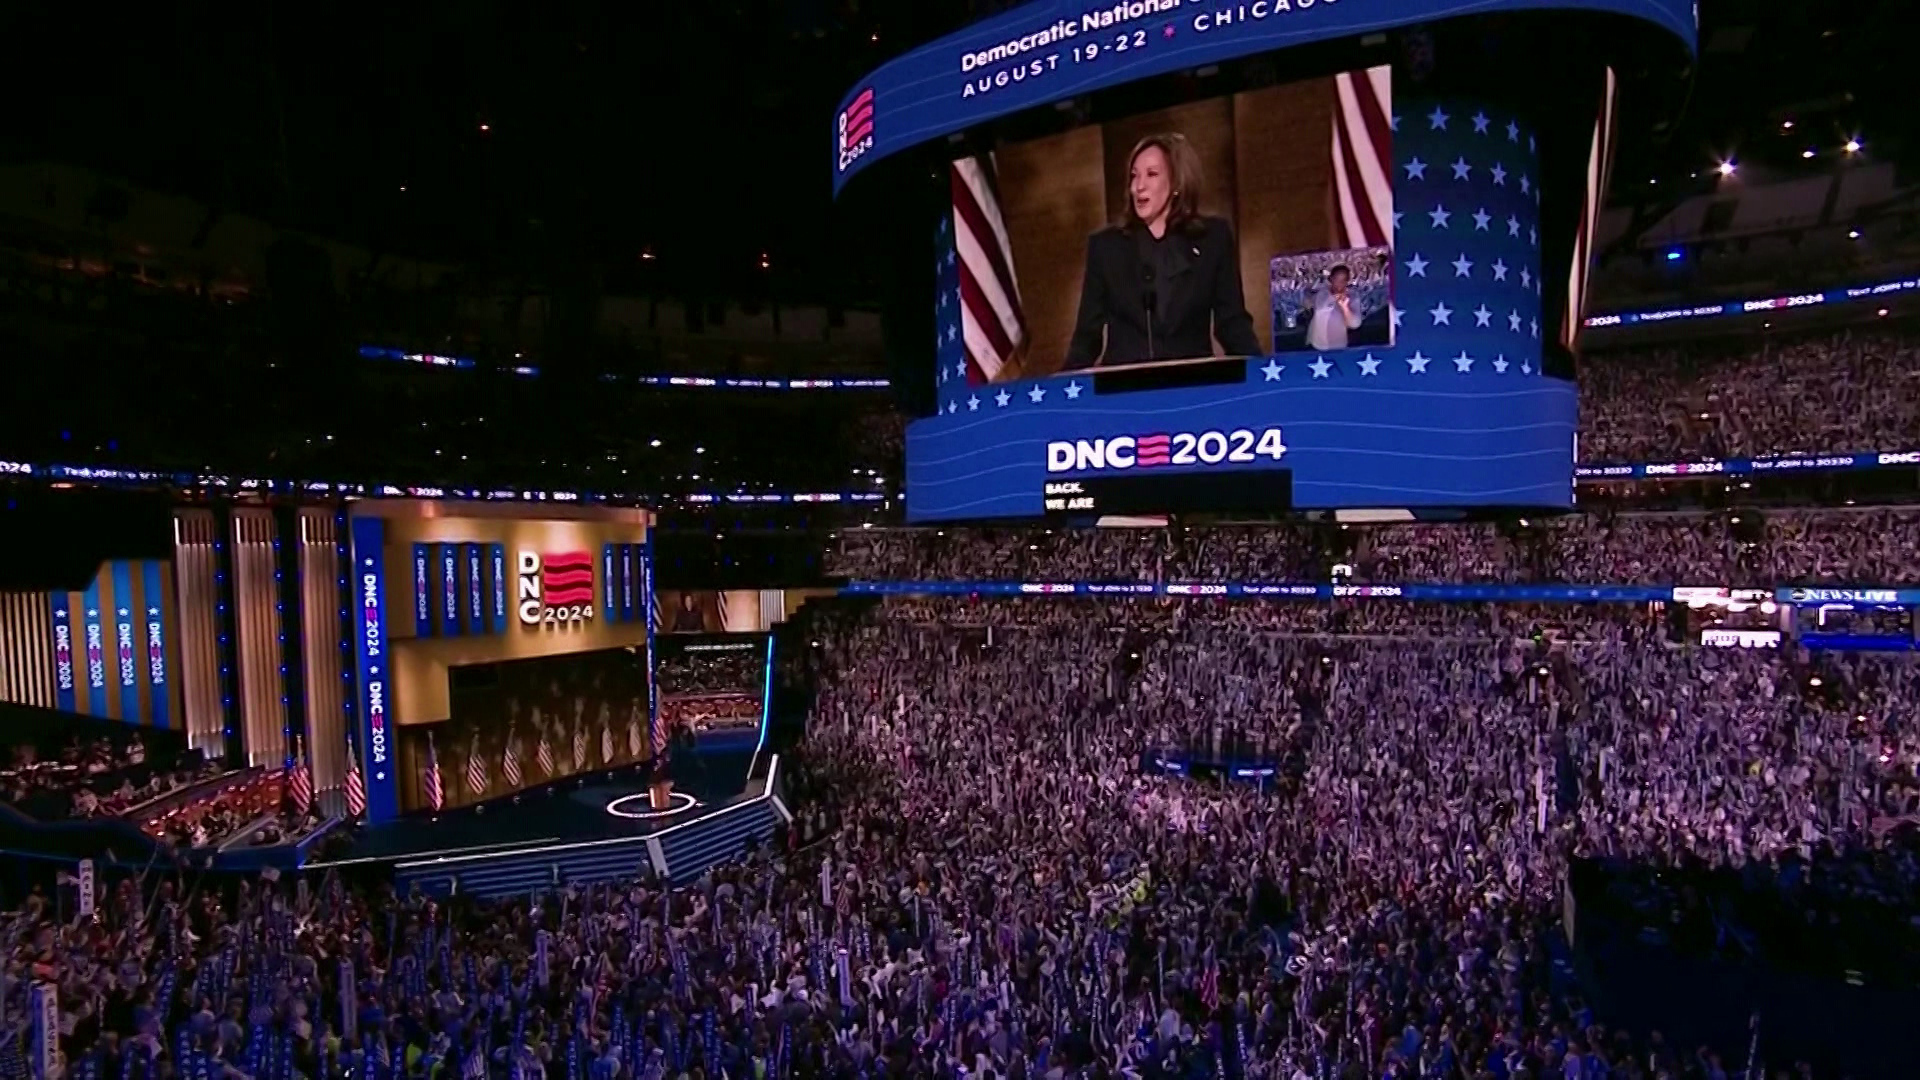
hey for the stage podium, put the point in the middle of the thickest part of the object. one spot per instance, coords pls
(660, 795)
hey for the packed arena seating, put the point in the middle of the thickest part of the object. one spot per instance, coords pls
(979, 849)
(1841, 545)
(1752, 395)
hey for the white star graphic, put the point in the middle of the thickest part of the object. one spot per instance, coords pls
(1513, 131)
(1513, 225)
(1442, 315)
(1439, 215)
(952, 407)
(1533, 236)
(1460, 168)
(1034, 395)
(951, 331)
(1463, 266)
(1272, 370)
(1480, 219)
(1526, 185)
(152, 611)
(1002, 398)
(1073, 390)
(1369, 366)
(1397, 215)
(1529, 142)
(1480, 122)
(1500, 364)
(1416, 169)
(1463, 362)
(1416, 266)
(1393, 122)
(1437, 119)
(960, 370)
(1526, 367)
(123, 613)
(1482, 317)
(1499, 175)
(1499, 269)
(1535, 325)
(369, 562)
(973, 403)
(1417, 364)
(1394, 313)
(1526, 278)
(951, 257)
(1513, 321)
(1320, 367)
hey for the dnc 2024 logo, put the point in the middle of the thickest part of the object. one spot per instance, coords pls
(556, 587)
(856, 128)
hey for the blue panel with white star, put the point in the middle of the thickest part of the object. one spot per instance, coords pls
(1456, 412)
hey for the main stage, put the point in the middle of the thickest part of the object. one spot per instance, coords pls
(594, 828)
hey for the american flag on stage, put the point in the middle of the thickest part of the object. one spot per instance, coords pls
(1599, 168)
(543, 753)
(476, 768)
(299, 780)
(606, 739)
(979, 290)
(633, 733)
(510, 765)
(356, 785)
(1363, 157)
(579, 743)
(436, 795)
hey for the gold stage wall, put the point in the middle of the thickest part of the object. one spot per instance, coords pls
(420, 687)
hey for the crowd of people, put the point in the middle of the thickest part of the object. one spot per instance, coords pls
(1837, 546)
(982, 879)
(1752, 395)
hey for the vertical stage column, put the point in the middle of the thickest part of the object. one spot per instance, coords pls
(662, 789)
(324, 670)
(256, 607)
(290, 607)
(205, 664)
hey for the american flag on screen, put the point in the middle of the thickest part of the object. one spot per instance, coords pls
(985, 292)
(1599, 166)
(543, 753)
(1363, 157)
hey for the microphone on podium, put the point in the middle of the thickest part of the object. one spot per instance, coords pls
(1149, 299)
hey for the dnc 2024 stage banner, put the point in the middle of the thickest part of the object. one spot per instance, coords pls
(1049, 50)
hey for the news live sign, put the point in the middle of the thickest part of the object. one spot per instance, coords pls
(1050, 50)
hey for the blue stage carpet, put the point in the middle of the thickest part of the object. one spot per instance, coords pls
(567, 811)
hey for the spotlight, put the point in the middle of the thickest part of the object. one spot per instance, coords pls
(1852, 147)
(1806, 153)
(1727, 167)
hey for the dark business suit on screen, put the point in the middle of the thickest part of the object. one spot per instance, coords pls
(1191, 281)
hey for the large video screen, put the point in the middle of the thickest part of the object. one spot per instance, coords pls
(1316, 294)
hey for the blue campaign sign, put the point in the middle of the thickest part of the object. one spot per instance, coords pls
(1048, 50)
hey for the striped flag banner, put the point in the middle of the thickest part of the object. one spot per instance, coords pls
(356, 785)
(1599, 170)
(436, 795)
(510, 765)
(992, 322)
(543, 753)
(1363, 157)
(476, 768)
(299, 779)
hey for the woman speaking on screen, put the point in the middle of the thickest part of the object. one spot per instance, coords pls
(1164, 284)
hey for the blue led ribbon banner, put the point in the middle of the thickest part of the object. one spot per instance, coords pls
(1049, 50)
(159, 691)
(372, 671)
